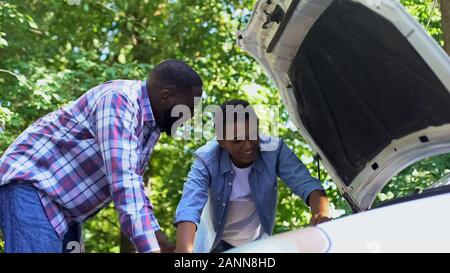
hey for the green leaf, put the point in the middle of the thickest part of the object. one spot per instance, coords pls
(121, 58)
(22, 79)
(31, 22)
(3, 42)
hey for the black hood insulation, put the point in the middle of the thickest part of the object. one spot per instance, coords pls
(359, 84)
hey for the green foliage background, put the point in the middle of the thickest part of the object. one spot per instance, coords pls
(53, 51)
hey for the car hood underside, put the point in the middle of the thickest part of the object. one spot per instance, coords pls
(361, 91)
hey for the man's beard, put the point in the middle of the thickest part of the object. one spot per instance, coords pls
(167, 121)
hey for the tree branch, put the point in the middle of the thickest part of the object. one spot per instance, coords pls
(445, 22)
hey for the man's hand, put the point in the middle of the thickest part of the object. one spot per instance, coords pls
(183, 250)
(164, 244)
(317, 219)
(319, 204)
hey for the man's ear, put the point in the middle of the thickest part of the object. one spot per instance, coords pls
(164, 95)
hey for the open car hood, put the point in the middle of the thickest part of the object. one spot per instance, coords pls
(363, 82)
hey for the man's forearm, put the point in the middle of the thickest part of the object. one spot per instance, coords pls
(185, 237)
(164, 243)
(319, 205)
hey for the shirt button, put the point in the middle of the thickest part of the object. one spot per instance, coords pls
(223, 204)
(229, 184)
(218, 198)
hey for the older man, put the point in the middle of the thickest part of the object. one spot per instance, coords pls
(71, 163)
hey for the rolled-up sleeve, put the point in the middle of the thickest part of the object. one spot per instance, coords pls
(116, 127)
(195, 194)
(295, 174)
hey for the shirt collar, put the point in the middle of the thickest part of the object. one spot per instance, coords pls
(225, 161)
(147, 106)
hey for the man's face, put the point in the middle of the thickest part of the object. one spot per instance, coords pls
(244, 146)
(180, 99)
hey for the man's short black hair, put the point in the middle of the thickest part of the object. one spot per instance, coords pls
(234, 103)
(235, 106)
(173, 74)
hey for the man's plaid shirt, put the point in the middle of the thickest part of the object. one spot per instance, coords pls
(88, 153)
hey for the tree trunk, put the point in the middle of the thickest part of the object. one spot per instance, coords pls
(445, 10)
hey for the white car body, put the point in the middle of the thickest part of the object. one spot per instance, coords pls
(415, 226)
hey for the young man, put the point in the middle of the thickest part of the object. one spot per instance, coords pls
(231, 191)
(71, 163)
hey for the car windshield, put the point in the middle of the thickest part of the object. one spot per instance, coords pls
(444, 181)
(439, 187)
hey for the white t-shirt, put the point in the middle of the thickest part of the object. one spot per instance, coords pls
(242, 224)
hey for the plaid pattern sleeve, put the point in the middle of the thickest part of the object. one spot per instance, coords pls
(116, 133)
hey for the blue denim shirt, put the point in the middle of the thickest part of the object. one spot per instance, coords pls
(207, 189)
